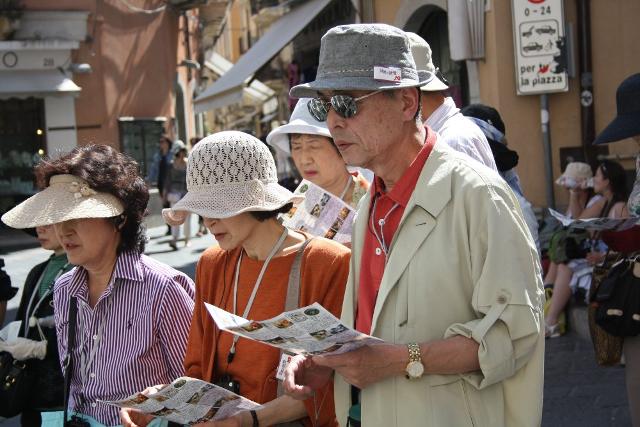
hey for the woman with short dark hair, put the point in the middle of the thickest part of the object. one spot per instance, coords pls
(133, 312)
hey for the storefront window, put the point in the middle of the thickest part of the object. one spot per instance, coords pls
(22, 145)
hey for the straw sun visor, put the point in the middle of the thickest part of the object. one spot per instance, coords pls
(67, 197)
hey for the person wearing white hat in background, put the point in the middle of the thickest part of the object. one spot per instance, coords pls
(609, 184)
(441, 112)
(133, 312)
(232, 183)
(316, 157)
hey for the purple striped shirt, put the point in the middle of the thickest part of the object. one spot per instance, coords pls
(147, 309)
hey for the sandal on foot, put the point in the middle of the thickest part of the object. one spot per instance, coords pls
(552, 331)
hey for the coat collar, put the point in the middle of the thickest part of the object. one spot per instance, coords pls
(429, 198)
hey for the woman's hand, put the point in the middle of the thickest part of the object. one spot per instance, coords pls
(132, 417)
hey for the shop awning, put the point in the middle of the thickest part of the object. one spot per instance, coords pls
(36, 83)
(230, 85)
(256, 92)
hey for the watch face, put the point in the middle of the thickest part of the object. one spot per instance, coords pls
(415, 369)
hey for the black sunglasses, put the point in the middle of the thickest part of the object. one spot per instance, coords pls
(345, 105)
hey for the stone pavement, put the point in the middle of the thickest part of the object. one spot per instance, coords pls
(577, 391)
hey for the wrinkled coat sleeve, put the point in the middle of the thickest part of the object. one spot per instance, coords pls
(507, 286)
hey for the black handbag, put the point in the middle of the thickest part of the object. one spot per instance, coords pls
(18, 379)
(617, 301)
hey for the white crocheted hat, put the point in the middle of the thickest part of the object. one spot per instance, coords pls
(67, 197)
(302, 122)
(230, 173)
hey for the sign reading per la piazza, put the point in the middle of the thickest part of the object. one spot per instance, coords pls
(540, 46)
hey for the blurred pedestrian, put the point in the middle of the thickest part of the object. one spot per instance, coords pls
(175, 188)
(257, 263)
(159, 167)
(625, 125)
(6, 291)
(315, 155)
(441, 112)
(445, 272)
(133, 312)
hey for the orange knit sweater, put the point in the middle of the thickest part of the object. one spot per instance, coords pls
(325, 267)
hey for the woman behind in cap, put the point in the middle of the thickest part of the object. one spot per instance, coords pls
(232, 182)
(316, 157)
(133, 312)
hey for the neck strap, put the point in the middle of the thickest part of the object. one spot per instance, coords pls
(273, 252)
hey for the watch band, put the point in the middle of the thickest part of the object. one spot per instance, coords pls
(414, 352)
(254, 417)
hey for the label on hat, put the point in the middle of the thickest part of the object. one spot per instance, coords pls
(387, 74)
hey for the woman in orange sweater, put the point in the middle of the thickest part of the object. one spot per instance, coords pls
(232, 183)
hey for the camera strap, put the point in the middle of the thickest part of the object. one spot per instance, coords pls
(68, 359)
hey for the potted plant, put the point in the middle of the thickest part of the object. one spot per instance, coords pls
(10, 12)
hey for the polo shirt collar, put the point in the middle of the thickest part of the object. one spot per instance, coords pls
(401, 192)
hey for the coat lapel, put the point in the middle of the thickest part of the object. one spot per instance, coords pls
(431, 195)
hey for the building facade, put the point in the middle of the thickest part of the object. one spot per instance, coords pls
(491, 80)
(76, 72)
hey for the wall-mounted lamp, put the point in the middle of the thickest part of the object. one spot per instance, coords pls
(83, 68)
(190, 64)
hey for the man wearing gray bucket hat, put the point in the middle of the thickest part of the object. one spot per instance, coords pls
(443, 270)
(441, 112)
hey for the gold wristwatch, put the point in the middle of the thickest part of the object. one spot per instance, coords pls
(415, 368)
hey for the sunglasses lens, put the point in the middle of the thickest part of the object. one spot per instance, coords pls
(344, 105)
(318, 109)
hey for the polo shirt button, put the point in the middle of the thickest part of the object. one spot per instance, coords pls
(95, 337)
(93, 404)
(92, 375)
(378, 251)
(381, 222)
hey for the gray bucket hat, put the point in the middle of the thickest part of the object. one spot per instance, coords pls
(364, 57)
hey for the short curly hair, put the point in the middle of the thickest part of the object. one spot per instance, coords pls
(109, 171)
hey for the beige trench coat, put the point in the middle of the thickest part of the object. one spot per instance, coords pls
(462, 263)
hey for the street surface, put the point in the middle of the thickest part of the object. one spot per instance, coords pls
(577, 391)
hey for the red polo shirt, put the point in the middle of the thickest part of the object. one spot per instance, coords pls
(386, 219)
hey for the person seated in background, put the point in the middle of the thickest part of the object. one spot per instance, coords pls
(315, 155)
(609, 183)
